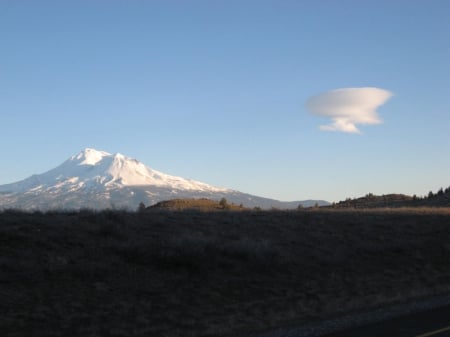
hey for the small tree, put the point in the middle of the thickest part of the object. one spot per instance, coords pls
(141, 207)
(223, 203)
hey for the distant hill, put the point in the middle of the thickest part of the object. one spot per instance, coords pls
(196, 204)
(371, 201)
(439, 199)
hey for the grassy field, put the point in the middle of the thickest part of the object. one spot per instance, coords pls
(193, 273)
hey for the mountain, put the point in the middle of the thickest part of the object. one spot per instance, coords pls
(98, 179)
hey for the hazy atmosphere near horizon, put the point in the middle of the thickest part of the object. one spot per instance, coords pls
(289, 100)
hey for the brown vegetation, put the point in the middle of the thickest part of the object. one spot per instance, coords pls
(192, 273)
(202, 204)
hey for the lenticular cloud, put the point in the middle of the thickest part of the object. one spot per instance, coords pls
(348, 107)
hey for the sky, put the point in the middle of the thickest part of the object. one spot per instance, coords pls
(289, 100)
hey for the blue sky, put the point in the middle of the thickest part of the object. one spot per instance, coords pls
(216, 91)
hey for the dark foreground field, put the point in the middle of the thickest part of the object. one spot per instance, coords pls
(211, 274)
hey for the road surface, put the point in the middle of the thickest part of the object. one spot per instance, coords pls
(431, 323)
(429, 317)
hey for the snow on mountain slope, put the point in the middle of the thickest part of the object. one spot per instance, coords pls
(89, 156)
(98, 169)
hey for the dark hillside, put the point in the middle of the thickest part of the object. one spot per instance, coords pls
(377, 201)
(192, 273)
(439, 199)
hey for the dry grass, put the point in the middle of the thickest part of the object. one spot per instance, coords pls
(202, 204)
(199, 274)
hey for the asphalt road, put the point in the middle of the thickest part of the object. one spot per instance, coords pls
(427, 317)
(431, 323)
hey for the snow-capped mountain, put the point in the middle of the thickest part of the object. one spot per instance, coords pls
(98, 179)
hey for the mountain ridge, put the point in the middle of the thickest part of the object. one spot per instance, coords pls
(98, 179)
(395, 200)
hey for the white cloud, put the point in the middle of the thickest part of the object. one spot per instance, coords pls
(348, 107)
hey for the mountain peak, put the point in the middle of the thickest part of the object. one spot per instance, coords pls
(92, 167)
(120, 156)
(98, 179)
(89, 156)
